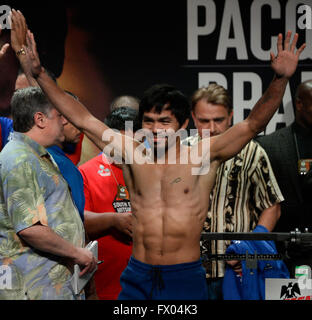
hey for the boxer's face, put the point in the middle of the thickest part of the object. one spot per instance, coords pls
(161, 126)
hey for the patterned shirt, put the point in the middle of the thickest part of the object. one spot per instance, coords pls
(245, 186)
(32, 190)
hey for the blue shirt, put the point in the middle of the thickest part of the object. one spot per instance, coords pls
(72, 175)
(6, 129)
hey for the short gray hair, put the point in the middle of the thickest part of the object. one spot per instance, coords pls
(25, 104)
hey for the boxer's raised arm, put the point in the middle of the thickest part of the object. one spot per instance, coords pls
(72, 109)
(228, 144)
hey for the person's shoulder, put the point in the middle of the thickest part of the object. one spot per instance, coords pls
(255, 146)
(250, 147)
(273, 135)
(14, 148)
(250, 155)
(97, 160)
(260, 152)
(14, 154)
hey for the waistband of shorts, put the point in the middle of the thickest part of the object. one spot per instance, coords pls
(171, 267)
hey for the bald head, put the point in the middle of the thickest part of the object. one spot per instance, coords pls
(304, 104)
(125, 101)
(304, 90)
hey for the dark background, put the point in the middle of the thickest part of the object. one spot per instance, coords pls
(135, 44)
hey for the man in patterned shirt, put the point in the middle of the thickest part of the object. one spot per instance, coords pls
(41, 233)
(246, 193)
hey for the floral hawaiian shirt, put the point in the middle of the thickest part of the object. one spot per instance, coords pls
(32, 191)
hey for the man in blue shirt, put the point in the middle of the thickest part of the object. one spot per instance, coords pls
(69, 171)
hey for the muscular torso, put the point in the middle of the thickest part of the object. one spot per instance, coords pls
(169, 207)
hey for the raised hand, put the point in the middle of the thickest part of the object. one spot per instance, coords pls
(285, 62)
(24, 45)
(34, 65)
(18, 31)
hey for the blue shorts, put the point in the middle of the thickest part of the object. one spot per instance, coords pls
(185, 281)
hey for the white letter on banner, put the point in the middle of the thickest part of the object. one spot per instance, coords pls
(256, 27)
(239, 104)
(306, 75)
(205, 78)
(231, 14)
(287, 117)
(193, 30)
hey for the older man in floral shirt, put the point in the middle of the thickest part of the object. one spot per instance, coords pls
(41, 233)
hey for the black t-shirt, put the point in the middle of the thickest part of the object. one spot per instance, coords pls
(303, 136)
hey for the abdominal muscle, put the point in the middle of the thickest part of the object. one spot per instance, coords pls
(169, 207)
(166, 236)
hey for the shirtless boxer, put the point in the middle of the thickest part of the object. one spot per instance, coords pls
(169, 203)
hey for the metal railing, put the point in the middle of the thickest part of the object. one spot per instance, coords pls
(293, 237)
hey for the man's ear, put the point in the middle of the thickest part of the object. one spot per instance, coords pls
(230, 118)
(298, 105)
(40, 119)
(185, 124)
(193, 115)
